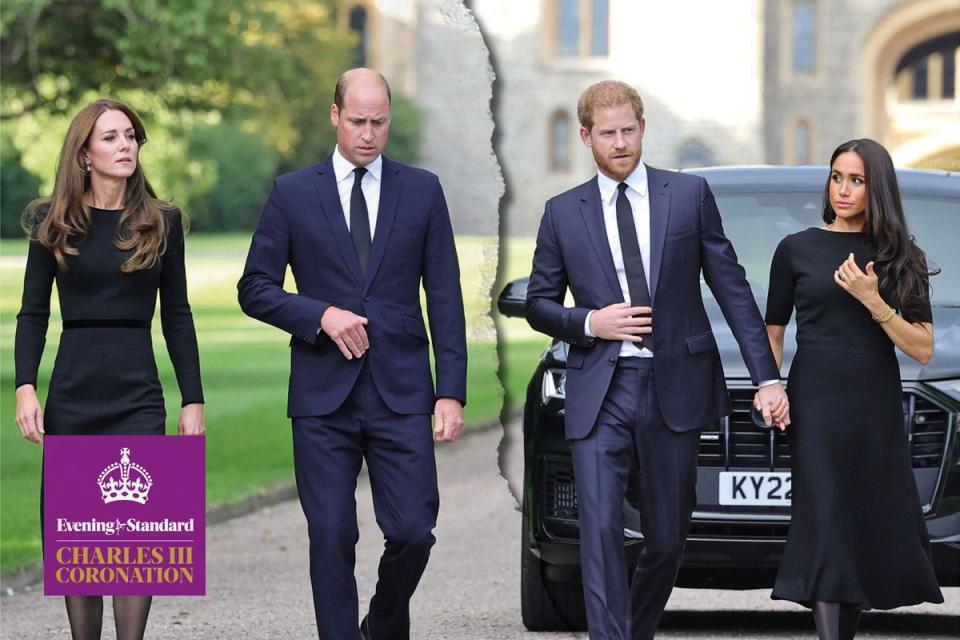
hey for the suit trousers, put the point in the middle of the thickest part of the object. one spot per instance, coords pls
(630, 443)
(328, 453)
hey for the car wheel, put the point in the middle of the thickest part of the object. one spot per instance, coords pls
(547, 605)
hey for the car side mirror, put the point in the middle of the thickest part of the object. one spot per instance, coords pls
(513, 299)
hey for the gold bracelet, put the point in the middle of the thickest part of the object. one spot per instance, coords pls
(885, 317)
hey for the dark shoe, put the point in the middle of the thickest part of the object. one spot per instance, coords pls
(365, 629)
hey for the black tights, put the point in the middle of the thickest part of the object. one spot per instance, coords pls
(835, 621)
(129, 612)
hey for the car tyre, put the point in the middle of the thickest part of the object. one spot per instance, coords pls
(546, 605)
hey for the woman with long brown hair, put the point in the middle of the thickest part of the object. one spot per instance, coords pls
(857, 537)
(111, 246)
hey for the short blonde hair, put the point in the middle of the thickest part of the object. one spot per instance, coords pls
(607, 93)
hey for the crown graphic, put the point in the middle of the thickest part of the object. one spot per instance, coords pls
(131, 484)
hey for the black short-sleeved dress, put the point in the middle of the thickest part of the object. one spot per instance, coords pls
(104, 378)
(857, 534)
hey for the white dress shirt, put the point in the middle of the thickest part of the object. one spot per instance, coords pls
(638, 196)
(370, 185)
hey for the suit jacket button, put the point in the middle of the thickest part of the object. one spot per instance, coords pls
(367, 299)
(612, 361)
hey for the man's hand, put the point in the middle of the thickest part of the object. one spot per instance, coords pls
(621, 322)
(347, 330)
(448, 419)
(191, 420)
(29, 414)
(771, 400)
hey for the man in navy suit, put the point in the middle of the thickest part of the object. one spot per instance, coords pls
(361, 233)
(643, 370)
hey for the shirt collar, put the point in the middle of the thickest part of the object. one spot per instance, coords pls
(636, 181)
(343, 168)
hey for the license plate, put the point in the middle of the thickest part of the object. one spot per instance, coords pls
(755, 488)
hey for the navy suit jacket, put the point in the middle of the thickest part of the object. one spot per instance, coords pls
(686, 239)
(303, 226)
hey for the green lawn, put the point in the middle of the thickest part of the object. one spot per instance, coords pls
(245, 368)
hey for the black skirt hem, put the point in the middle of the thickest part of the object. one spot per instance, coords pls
(807, 601)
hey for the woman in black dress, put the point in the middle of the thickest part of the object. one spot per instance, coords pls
(857, 537)
(111, 245)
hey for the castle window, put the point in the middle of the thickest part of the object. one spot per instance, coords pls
(358, 24)
(804, 36)
(929, 70)
(559, 142)
(599, 27)
(568, 28)
(950, 74)
(801, 143)
(582, 28)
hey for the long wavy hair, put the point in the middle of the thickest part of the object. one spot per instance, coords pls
(900, 264)
(58, 221)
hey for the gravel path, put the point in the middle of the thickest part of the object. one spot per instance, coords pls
(259, 588)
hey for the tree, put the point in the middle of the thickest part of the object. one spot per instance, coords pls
(266, 67)
(17, 188)
(244, 166)
(405, 126)
(54, 51)
(201, 54)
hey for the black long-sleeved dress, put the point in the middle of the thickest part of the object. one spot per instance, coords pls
(105, 376)
(857, 534)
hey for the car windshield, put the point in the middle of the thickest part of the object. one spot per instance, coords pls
(756, 222)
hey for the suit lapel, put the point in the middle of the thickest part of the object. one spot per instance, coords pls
(386, 214)
(657, 182)
(333, 212)
(592, 214)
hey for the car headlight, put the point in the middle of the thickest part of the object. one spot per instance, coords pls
(554, 383)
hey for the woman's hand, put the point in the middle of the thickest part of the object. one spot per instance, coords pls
(29, 413)
(913, 338)
(191, 420)
(862, 286)
(777, 412)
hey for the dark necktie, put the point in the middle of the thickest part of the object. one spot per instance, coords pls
(632, 260)
(360, 220)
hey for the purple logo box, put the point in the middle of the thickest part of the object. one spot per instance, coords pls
(124, 515)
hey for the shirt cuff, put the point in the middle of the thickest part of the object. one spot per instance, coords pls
(586, 325)
(767, 383)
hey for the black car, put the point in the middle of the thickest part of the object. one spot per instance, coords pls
(737, 534)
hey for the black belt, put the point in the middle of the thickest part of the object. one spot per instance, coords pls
(111, 323)
(634, 362)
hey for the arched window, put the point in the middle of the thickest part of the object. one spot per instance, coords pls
(559, 142)
(358, 24)
(801, 143)
(804, 36)
(694, 153)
